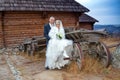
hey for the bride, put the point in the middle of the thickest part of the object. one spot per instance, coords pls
(56, 47)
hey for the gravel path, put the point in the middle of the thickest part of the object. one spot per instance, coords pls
(5, 72)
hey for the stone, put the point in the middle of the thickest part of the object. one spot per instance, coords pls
(2, 50)
(116, 58)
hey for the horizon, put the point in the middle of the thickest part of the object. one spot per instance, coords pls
(108, 24)
(106, 14)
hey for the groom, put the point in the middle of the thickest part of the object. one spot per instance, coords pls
(47, 28)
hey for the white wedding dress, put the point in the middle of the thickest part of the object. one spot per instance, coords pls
(56, 49)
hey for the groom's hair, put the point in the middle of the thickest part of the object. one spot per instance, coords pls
(51, 18)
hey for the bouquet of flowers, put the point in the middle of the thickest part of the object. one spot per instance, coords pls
(59, 35)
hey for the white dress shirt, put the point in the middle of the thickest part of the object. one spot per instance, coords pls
(51, 25)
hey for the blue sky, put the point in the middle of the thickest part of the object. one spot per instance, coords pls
(105, 11)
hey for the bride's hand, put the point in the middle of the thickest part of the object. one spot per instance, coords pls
(59, 36)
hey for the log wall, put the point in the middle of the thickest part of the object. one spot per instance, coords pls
(86, 25)
(21, 25)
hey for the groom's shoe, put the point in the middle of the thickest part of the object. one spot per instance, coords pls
(47, 68)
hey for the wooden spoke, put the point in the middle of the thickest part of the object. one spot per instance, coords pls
(104, 54)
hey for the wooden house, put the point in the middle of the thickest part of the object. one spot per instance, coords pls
(20, 19)
(86, 21)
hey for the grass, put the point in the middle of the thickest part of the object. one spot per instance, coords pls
(90, 65)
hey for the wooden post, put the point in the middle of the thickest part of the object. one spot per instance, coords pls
(3, 31)
(77, 15)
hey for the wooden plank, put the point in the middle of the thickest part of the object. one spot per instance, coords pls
(69, 36)
(72, 35)
(40, 45)
(114, 45)
(87, 32)
(77, 35)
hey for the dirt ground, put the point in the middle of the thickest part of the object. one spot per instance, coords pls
(33, 68)
(5, 73)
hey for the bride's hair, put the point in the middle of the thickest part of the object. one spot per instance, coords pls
(59, 22)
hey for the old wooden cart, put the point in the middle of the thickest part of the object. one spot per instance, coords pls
(84, 42)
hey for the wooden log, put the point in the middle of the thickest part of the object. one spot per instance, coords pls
(114, 45)
(87, 32)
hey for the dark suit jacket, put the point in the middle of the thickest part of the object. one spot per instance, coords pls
(46, 32)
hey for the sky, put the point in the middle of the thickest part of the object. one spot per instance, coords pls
(105, 11)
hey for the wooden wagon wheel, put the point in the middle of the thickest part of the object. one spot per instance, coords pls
(104, 54)
(78, 55)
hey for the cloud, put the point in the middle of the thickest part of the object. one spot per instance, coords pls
(103, 11)
(108, 19)
(106, 11)
(91, 2)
